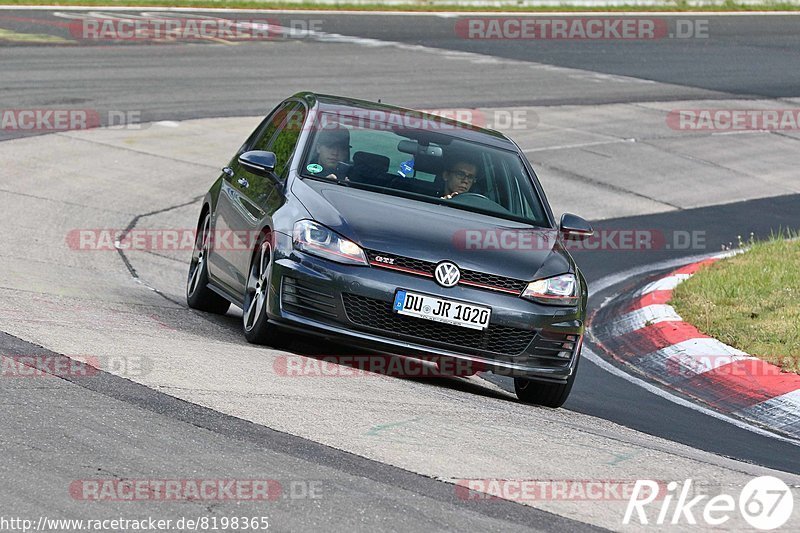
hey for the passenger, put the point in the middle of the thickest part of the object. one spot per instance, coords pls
(333, 146)
(460, 175)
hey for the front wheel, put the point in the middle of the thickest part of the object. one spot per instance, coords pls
(544, 393)
(257, 329)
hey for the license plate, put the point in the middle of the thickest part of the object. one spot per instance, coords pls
(442, 310)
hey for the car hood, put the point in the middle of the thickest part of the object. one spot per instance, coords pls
(433, 232)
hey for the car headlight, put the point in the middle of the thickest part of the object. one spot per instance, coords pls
(558, 290)
(315, 239)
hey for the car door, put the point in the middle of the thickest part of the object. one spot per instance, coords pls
(232, 207)
(247, 199)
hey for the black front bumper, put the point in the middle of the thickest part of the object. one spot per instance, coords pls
(353, 305)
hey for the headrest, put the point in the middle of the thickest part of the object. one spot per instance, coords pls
(378, 163)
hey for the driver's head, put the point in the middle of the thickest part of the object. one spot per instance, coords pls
(460, 172)
(333, 145)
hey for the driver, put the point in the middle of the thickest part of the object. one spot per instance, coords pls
(333, 146)
(461, 173)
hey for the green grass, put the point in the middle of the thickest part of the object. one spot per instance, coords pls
(38, 38)
(412, 5)
(750, 301)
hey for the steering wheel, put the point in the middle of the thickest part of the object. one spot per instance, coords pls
(470, 194)
(481, 201)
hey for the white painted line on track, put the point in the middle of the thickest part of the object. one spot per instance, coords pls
(777, 410)
(704, 347)
(692, 357)
(639, 318)
(579, 145)
(665, 284)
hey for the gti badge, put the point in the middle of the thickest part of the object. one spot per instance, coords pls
(386, 260)
(447, 274)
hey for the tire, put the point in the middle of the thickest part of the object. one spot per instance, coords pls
(544, 393)
(257, 329)
(198, 295)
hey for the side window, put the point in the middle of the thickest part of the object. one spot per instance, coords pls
(268, 127)
(285, 141)
(489, 179)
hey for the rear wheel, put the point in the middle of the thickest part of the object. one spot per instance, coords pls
(257, 328)
(544, 393)
(198, 295)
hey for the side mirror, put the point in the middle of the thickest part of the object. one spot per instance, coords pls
(575, 228)
(258, 162)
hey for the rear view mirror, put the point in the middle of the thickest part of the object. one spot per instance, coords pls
(430, 151)
(407, 146)
(413, 147)
(574, 228)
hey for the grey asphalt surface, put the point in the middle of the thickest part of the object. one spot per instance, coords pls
(746, 56)
(55, 433)
(59, 431)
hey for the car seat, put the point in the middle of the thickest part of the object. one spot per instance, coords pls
(370, 168)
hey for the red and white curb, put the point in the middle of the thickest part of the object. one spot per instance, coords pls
(641, 330)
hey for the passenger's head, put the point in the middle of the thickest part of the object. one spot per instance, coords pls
(333, 145)
(460, 171)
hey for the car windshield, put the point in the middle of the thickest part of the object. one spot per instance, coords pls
(428, 163)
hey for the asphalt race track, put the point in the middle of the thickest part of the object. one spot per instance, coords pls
(181, 395)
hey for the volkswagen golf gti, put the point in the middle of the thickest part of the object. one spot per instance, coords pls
(396, 231)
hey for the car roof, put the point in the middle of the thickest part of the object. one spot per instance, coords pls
(462, 130)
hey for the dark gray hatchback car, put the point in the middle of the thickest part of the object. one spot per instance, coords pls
(395, 231)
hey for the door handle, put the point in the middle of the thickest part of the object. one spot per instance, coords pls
(228, 171)
(243, 182)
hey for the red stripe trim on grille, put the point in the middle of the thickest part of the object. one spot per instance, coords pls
(401, 269)
(490, 287)
(428, 275)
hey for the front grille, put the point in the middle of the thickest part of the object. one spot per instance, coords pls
(472, 278)
(303, 296)
(420, 267)
(495, 282)
(378, 315)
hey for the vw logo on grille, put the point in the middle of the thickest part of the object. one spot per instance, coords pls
(447, 274)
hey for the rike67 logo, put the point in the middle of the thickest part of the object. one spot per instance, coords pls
(765, 503)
